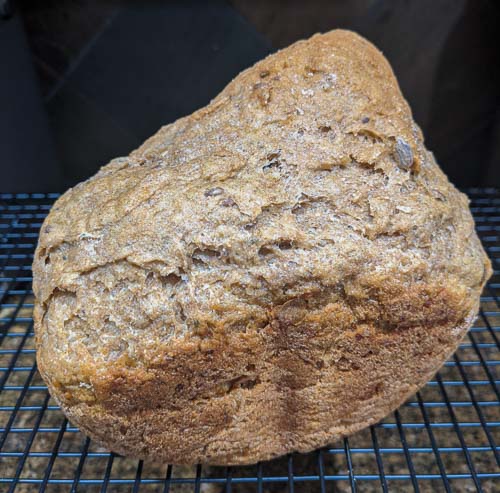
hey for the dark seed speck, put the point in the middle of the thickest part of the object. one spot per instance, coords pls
(229, 202)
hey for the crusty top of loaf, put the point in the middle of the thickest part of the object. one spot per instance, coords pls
(305, 176)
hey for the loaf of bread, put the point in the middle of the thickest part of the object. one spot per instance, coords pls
(277, 270)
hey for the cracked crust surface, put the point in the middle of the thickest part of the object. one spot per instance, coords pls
(279, 269)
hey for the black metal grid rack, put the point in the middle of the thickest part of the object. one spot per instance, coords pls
(445, 438)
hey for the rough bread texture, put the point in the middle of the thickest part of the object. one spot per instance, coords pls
(279, 269)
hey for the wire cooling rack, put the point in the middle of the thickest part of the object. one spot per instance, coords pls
(442, 439)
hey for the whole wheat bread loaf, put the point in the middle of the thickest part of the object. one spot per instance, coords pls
(277, 270)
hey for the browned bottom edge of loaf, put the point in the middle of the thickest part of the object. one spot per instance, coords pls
(141, 435)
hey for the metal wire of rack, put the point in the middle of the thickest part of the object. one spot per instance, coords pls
(445, 438)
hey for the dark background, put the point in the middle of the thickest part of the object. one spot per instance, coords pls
(84, 81)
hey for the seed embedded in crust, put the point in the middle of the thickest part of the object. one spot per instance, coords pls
(404, 154)
(213, 192)
(229, 202)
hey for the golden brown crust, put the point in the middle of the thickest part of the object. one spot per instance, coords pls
(281, 268)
